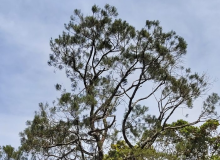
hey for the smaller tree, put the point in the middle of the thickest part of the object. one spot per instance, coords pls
(197, 142)
(190, 142)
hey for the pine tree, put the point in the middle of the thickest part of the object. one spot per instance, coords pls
(114, 69)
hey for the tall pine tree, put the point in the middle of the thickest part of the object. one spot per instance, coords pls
(114, 69)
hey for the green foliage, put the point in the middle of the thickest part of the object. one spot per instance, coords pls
(121, 151)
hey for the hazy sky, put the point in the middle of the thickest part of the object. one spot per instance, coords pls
(26, 27)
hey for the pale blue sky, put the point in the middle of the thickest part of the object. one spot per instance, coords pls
(26, 27)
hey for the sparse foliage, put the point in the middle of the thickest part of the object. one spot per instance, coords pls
(10, 153)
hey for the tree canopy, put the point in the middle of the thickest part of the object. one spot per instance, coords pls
(115, 70)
